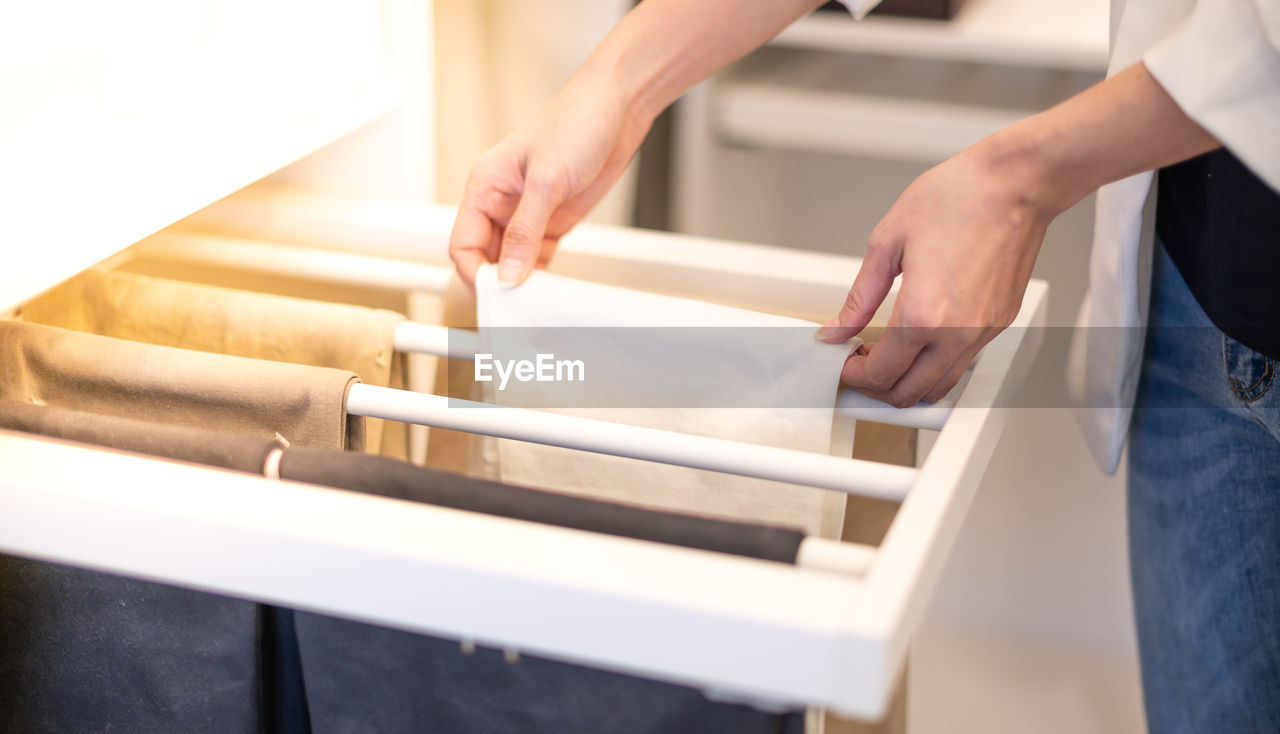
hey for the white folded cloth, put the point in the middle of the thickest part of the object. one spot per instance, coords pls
(644, 363)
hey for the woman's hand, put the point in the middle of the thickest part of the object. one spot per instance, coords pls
(527, 191)
(964, 236)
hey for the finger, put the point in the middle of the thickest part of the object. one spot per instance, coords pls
(887, 361)
(933, 362)
(494, 247)
(522, 240)
(953, 375)
(469, 241)
(870, 286)
(548, 251)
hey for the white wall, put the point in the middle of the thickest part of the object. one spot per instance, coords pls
(499, 62)
(394, 157)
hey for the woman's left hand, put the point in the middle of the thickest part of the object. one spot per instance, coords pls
(964, 236)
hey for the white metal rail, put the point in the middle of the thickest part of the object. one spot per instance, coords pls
(853, 476)
(298, 262)
(441, 341)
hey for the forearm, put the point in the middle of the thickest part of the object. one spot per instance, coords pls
(664, 47)
(1117, 128)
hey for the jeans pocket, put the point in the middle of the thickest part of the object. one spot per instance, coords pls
(1251, 376)
(1250, 373)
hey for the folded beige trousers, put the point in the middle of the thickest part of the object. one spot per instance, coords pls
(69, 369)
(395, 438)
(227, 321)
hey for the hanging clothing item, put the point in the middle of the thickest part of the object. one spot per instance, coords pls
(392, 478)
(362, 678)
(306, 405)
(358, 677)
(395, 439)
(196, 445)
(227, 321)
(667, 363)
(86, 651)
(400, 480)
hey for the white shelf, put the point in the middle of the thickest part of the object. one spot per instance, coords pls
(908, 109)
(817, 122)
(1046, 33)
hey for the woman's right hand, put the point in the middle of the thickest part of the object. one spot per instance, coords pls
(526, 192)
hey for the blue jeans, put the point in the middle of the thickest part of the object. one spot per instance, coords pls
(1204, 522)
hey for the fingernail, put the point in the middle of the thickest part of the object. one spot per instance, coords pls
(509, 271)
(826, 333)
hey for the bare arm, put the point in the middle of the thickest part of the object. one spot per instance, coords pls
(664, 47)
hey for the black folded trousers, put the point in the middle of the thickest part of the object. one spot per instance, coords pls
(363, 678)
(82, 650)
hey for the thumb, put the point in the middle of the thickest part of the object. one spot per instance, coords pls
(871, 285)
(522, 240)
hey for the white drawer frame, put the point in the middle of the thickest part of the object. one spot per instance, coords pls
(741, 629)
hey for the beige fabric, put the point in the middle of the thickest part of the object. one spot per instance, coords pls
(69, 369)
(226, 321)
(457, 451)
(394, 433)
(632, 342)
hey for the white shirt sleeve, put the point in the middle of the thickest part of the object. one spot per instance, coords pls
(1222, 67)
(860, 8)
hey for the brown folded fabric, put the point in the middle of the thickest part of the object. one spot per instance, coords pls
(196, 445)
(386, 477)
(68, 369)
(226, 321)
(395, 435)
(129, 654)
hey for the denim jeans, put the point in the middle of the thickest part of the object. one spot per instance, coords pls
(1204, 522)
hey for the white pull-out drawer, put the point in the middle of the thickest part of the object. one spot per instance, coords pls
(739, 628)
